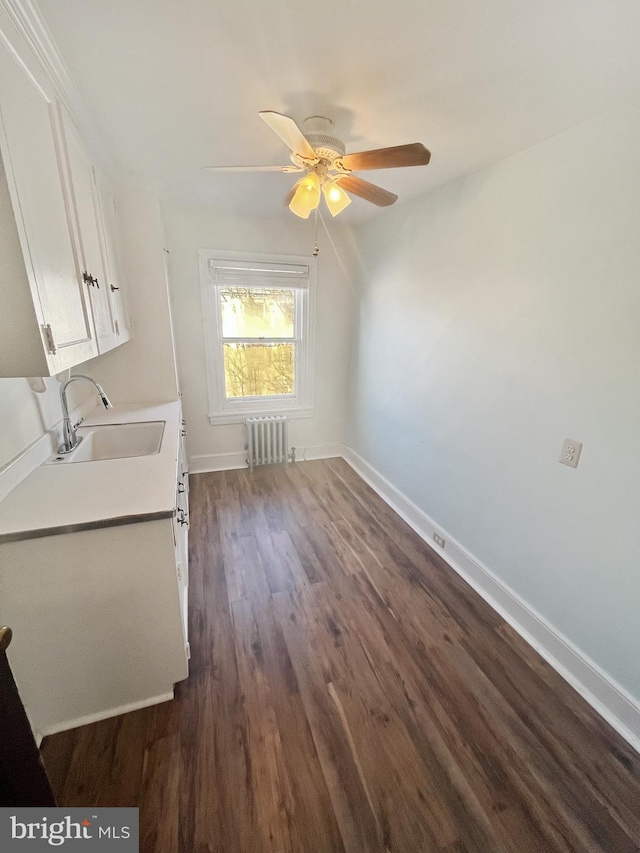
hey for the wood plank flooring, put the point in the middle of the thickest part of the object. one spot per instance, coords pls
(349, 693)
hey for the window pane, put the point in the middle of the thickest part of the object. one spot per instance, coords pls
(263, 370)
(257, 312)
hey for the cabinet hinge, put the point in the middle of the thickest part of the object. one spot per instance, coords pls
(188, 650)
(48, 336)
(117, 328)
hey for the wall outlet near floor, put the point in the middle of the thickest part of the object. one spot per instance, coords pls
(439, 540)
(571, 451)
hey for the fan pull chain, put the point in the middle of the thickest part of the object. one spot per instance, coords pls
(316, 250)
(346, 272)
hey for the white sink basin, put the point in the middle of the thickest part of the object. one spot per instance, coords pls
(115, 441)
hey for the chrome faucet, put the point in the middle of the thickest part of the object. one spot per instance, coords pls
(70, 439)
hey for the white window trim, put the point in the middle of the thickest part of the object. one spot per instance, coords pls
(222, 410)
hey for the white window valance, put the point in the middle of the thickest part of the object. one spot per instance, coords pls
(241, 274)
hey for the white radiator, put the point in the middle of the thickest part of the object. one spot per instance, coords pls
(267, 440)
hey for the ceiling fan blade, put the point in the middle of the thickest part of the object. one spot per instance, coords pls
(250, 169)
(387, 158)
(367, 191)
(289, 133)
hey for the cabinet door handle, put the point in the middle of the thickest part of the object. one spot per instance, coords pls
(181, 488)
(89, 279)
(114, 288)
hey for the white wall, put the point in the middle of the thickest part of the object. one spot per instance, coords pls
(190, 228)
(497, 316)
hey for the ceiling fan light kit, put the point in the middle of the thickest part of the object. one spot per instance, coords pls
(328, 170)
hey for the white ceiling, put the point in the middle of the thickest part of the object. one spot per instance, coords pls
(177, 84)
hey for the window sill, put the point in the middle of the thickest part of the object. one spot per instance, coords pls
(240, 417)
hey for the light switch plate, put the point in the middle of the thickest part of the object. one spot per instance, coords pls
(571, 451)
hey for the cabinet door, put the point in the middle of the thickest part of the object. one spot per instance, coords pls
(111, 255)
(88, 225)
(181, 536)
(30, 140)
(183, 490)
(180, 542)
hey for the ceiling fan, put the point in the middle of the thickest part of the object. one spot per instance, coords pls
(328, 170)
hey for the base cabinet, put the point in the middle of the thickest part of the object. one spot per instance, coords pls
(97, 622)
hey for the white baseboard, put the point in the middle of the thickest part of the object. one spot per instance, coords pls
(599, 689)
(238, 459)
(217, 462)
(103, 715)
(322, 451)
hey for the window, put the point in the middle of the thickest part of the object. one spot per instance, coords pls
(257, 323)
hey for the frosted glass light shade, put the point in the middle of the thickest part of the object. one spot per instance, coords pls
(296, 206)
(307, 196)
(336, 198)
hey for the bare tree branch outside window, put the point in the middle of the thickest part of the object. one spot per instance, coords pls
(251, 367)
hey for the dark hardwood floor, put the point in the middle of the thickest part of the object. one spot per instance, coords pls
(349, 692)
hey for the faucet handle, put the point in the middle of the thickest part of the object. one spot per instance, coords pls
(77, 423)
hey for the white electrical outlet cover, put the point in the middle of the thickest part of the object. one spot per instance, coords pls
(570, 454)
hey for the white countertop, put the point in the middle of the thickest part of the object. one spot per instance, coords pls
(65, 497)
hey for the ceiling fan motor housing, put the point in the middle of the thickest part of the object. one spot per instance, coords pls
(317, 131)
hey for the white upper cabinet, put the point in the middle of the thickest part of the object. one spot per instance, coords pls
(89, 226)
(112, 262)
(61, 287)
(45, 324)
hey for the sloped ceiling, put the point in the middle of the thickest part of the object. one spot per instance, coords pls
(177, 84)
